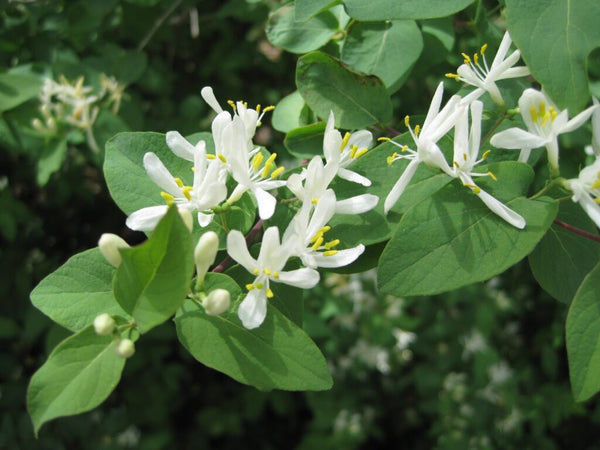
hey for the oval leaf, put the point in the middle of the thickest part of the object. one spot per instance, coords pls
(405, 9)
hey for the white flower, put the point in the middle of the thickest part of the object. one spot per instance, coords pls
(403, 338)
(207, 191)
(306, 236)
(544, 123)
(310, 185)
(217, 302)
(594, 149)
(109, 245)
(341, 152)
(437, 124)
(125, 348)
(586, 190)
(104, 324)
(484, 77)
(205, 253)
(466, 151)
(267, 267)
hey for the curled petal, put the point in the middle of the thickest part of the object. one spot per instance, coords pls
(357, 204)
(161, 176)
(180, 146)
(354, 177)
(253, 309)
(146, 219)
(341, 258)
(266, 203)
(304, 278)
(238, 250)
(500, 209)
(400, 185)
(515, 138)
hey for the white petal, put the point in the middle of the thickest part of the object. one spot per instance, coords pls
(434, 107)
(514, 72)
(596, 128)
(238, 250)
(294, 184)
(591, 208)
(357, 204)
(502, 49)
(515, 138)
(204, 219)
(500, 209)
(341, 258)
(354, 177)
(461, 137)
(324, 211)
(209, 97)
(253, 309)
(180, 146)
(146, 219)
(158, 173)
(304, 278)
(578, 120)
(266, 203)
(475, 136)
(361, 138)
(400, 185)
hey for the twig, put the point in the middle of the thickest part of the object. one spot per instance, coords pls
(576, 230)
(249, 239)
(157, 24)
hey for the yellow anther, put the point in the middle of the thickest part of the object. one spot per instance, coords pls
(325, 229)
(268, 108)
(232, 104)
(353, 151)
(485, 154)
(476, 59)
(454, 76)
(314, 201)
(187, 192)
(259, 285)
(596, 184)
(329, 245)
(245, 104)
(210, 156)
(483, 49)
(361, 152)
(545, 118)
(250, 286)
(222, 157)
(330, 253)
(257, 161)
(193, 169)
(257, 108)
(476, 189)
(542, 108)
(492, 176)
(457, 165)
(465, 156)
(597, 200)
(383, 139)
(467, 58)
(179, 182)
(271, 158)
(533, 113)
(345, 141)
(256, 271)
(407, 121)
(391, 158)
(276, 275)
(277, 172)
(268, 165)
(404, 148)
(417, 129)
(553, 113)
(267, 271)
(318, 243)
(269, 293)
(167, 197)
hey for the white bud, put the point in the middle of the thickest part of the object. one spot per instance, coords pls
(104, 324)
(217, 302)
(125, 348)
(206, 252)
(109, 245)
(187, 218)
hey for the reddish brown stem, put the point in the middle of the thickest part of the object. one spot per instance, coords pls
(249, 239)
(578, 231)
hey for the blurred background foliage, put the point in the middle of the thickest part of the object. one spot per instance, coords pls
(481, 367)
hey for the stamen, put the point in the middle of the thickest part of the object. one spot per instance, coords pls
(545, 118)
(210, 156)
(404, 148)
(257, 160)
(492, 176)
(267, 271)
(268, 108)
(407, 121)
(476, 59)
(391, 158)
(257, 108)
(383, 139)
(318, 243)
(467, 58)
(483, 49)
(187, 192)
(168, 198)
(542, 108)
(353, 151)
(485, 154)
(232, 104)
(259, 285)
(533, 113)
(457, 165)
(596, 184)
(256, 271)
(417, 129)
(222, 158)
(277, 172)
(268, 165)
(179, 182)
(597, 200)
(330, 253)
(345, 141)
(269, 293)
(553, 113)
(276, 275)
(314, 201)
(329, 245)
(325, 229)
(361, 152)
(250, 286)
(454, 76)
(476, 189)
(465, 156)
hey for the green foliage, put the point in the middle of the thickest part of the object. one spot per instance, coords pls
(305, 9)
(583, 329)
(406, 9)
(555, 38)
(79, 374)
(17, 88)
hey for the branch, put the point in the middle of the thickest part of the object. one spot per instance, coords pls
(578, 231)
(249, 239)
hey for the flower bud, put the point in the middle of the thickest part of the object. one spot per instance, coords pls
(104, 324)
(109, 245)
(186, 216)
(125, 348)
(205, 252)
(217, 302)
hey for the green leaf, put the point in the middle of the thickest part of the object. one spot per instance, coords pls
(214, 281)
(277, 355)
(50, 160)
(386, 49)
(555, 38)
(291, 112)
(79, 375)
(78, 291)
(583, 337)
(562, 258)
(154, 277)
(300, 37)
(16, 88)
(405, 9)
(307, 141)
(452, 239)
(305, 9)
(326, 84)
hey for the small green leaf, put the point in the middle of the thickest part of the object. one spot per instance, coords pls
(405, 9)
(154, 277)
(300, 37)
(386, 49)
(452, 239)
(555, 38)
(326, 84)
(79, 374)
(50, 160)
(305, 9)
(79, 290)
(291, 112)
(562, 258)
(583, 337)
(307, 141)
(16, 88)
(277, 355)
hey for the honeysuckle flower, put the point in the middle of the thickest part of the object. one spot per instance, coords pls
(314, 180)
(267, 268)
(341, 152)
(104, 324)
(586, 190)
(205, 253)
(207, 191)
(466, 154)
(109, 245)
(306, 236)
(125, 348)
(544, 123)
(476, 71)
(217, 302)
(437, 124)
